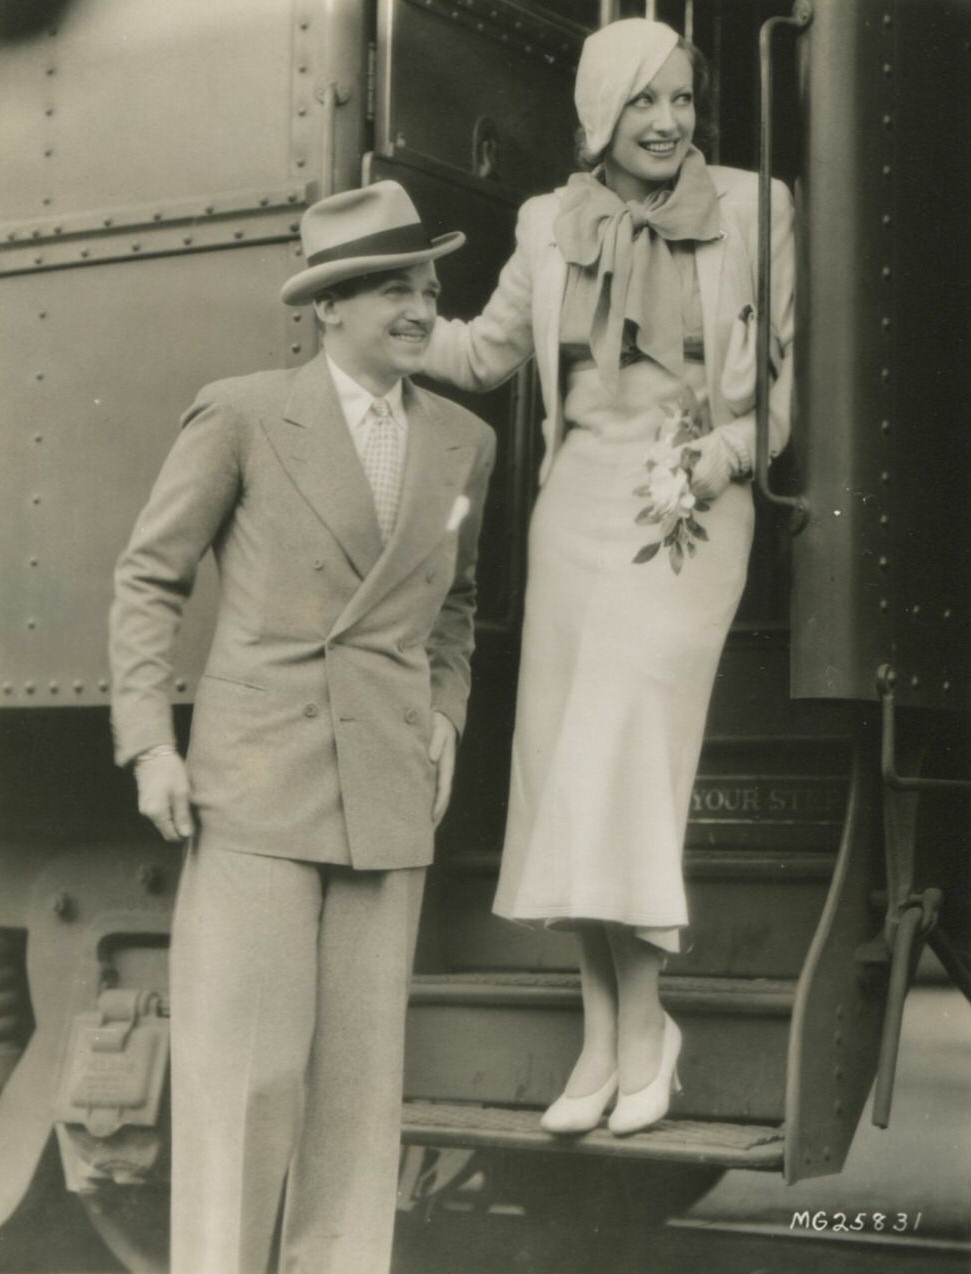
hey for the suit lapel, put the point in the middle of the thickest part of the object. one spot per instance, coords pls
(436, 468)
(314, 446)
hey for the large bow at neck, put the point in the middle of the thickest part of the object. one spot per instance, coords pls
(622, 265)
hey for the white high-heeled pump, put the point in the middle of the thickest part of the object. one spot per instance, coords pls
(570, 1115)
(649, 1104)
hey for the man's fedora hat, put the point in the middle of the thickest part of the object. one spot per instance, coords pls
(362, 232)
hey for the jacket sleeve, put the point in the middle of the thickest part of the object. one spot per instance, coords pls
(452, 639)
(482, 353)
(740, 432)
(194, 493)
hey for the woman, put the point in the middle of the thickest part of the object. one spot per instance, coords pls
(634, 285)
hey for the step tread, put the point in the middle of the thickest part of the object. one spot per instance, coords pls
(736, 995)
(696, 1141)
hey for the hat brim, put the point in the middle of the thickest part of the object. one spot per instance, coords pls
(303, 287)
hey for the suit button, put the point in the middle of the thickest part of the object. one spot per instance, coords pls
(411, 716)
(318, 563)
(310, 710)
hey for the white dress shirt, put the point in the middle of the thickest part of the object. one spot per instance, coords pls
(356, 403)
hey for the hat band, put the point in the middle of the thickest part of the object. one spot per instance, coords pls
(385, 243)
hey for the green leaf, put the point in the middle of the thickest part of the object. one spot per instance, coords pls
(677, 558)
(647, 552)
(647, 516)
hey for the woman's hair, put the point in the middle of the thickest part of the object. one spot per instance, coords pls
(706, 127)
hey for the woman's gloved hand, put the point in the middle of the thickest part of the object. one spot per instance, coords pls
(716, 465)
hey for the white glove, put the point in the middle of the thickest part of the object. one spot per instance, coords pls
(716, 466)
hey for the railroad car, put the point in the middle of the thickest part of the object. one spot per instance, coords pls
(157, 159)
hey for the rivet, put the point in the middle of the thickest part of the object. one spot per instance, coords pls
(916, 610)
(12, 236)
(181, 684)
(296, 318)
(35, 499)
(8, 688)
(827, 1153)
(915, 682)
(38, 437)
(884, 374)
(947, 613)
(31, 623)
(294, 227)
(33, 561)
(297, 250)
(103, 684)
(887, 170)
(38, 260)
(48, 151)
(885, 323)
(304, 24)
(884, 519)
(837, 1072)
(49, 111)
(301, 163)
(888, 121)
(42, 314)
(53, 687)
(302, 68)
(29, 687)
(78, 686)
(884, 563)
(85, 252)
(187, 239)
(136, 247)
(885, 476)
(887, 68)
(35, 233)
(210, 209)
(264, 202)
(237, 234)
(837, 1107)
(295, 349)
(887, 272)
(292, 197)
(50, 70)
(58, 229)
(301, 111)
(884, 604)
(887, 19)
(108, 221)
(156, 216)
(837, 1037)
(946, 686)
(885, 426)
(39, 376)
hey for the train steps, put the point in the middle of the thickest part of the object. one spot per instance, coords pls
(486, 1052)
(510, 1039)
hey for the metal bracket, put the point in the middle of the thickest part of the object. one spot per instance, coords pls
(802, 14)
(330, 96)
(886, 680)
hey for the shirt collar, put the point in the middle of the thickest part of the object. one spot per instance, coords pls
(356, 401)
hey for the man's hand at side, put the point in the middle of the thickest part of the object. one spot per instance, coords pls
(163, 793)
(441, 751)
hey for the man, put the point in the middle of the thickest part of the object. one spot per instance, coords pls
(343, 505)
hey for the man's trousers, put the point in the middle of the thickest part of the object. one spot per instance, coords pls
(289, 985)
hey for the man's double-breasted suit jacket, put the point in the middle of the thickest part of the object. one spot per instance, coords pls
(313, 717)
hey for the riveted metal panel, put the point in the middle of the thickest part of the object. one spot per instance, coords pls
(99, 364)
(883, 355)
(132, 101)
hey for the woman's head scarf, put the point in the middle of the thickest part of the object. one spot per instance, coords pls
(616, 62)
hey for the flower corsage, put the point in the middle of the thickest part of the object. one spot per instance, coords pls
(671, 505)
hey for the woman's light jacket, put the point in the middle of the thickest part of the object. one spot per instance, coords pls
(522, 316)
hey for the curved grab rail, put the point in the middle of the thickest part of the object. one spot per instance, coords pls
(801, 17)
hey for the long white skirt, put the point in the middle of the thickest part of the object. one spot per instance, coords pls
(617, 670)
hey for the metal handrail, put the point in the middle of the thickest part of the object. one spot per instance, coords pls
(801, 17)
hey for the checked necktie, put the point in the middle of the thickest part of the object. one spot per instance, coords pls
(382, 460)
